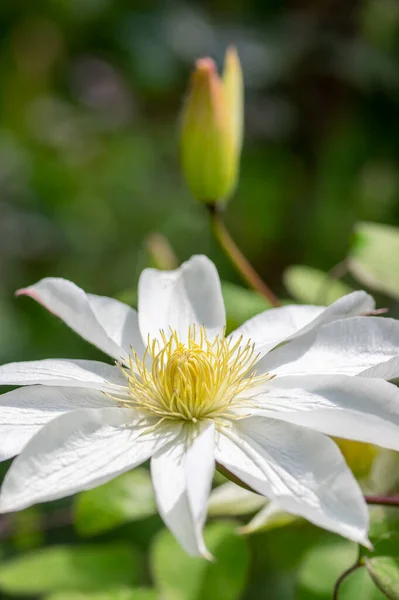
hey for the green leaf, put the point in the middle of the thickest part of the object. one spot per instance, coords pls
(128, 297)
(387, 545)
(383, 533)
(359, 586)
(127, 498)
(374, 258)
(383, 561)
(321, 567)
(180, 577)
(384, 570)
(27, 528)
(62, 568)
(311, 286)
(114, 594)
(241, 304)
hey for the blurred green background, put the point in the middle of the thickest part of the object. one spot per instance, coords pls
(90, 93)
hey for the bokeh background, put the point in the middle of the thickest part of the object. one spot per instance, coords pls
(90, 94)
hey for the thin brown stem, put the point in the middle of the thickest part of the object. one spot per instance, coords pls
(342, 578)
(383, 500)
(238, 259)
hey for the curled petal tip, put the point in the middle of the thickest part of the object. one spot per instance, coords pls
(367, 544)
(208, 556)
(24, 292)
(205, 65)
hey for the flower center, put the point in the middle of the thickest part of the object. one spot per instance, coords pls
(197, 379)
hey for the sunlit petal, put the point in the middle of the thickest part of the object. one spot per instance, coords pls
(107, 323)
(77, 451)
(63, 372)
(276, 325)
(348, 346)
(356, 408)
(303, 471)
(182, 475)
(181, 298)
(25, 411)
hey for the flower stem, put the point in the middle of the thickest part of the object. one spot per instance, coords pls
(343, 576)
(238, 259)
(383, 500)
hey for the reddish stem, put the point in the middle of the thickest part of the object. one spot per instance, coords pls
(383, 500)
(237, 257)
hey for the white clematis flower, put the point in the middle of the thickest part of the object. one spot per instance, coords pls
(260, 402)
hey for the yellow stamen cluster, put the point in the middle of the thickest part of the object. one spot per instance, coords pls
(191, 380)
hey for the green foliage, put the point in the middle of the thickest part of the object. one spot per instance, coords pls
(321, 567)
(27, 528)
(383, 532)
(311, 286)
(359, 585)
(62, 568)
(382, 562)
(180, 577)
(374, 257)
(89, 96)
(127, 498)
(114, 594)
(386, 544)
(241, 304)
(384, 571)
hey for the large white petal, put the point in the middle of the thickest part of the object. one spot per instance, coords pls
(276, 325)
(177, 299)
(182, 476)
(271, 327)
(78, 451)
(356, 408)
(388, 370)
(107, 323)
(348, 347)
(301, 470)
(26, 410)
(63, 372)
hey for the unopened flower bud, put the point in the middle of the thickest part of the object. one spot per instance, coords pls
(211, 134)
